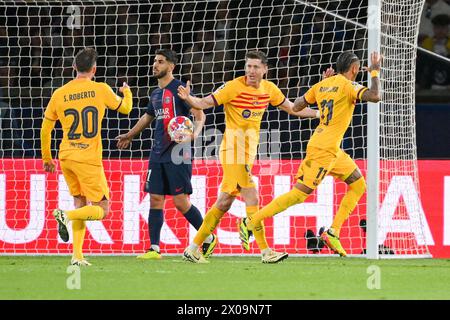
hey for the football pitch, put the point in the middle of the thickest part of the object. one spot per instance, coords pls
(125, 277)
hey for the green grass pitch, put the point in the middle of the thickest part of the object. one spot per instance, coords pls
(125, 277)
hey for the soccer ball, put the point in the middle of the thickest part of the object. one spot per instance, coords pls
(179, 128)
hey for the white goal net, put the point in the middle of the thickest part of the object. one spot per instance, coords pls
(301, 38)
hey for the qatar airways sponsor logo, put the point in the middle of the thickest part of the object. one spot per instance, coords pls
(163, 113)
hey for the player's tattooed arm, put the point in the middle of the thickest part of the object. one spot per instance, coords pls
(300, 104)
(46, 139)
(373, 94)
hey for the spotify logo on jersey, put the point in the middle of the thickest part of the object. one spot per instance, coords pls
(246, 114)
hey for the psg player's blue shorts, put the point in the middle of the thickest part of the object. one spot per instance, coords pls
(167, 178)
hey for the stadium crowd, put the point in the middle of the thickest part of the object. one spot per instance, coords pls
(38, 43)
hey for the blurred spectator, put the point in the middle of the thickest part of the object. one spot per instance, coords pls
(202, 64)
(38, 46)
(123, 74)
(62, 73)
(166, 32)
(30, 59)
(432, 71)
(430, 10)
(5, 111)
(225, 22)
(10, 128)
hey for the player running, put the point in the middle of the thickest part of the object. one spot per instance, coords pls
(80, 107)
(336, 97)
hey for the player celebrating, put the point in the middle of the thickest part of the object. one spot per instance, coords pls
(80, 106)
(169, 172)
(245, 100)
(336, 97)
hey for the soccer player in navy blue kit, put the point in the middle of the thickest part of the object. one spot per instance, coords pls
(170, 167)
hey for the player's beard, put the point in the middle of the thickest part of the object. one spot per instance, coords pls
(161, 74)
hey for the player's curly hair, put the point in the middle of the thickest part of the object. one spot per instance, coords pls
(345, 61)
(85, 59)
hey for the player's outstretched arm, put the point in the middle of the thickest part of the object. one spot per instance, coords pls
(46, 139)
(373, 94)
(124, 140)
(305, 112)
(197, 103)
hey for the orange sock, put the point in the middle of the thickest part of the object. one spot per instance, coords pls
(86, 213)
(79, 230)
